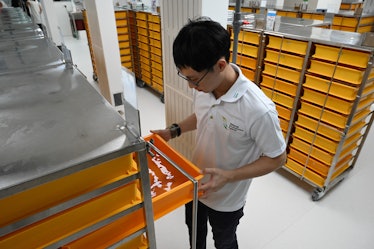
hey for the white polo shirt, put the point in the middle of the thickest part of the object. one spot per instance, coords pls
(232, 131)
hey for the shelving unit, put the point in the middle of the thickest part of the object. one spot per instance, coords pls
(144, 47)
(65, 174)
(322, 83)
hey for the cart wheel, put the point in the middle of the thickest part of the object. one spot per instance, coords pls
(140, 83)
(317, 194)
(162, 98)
(94, 77)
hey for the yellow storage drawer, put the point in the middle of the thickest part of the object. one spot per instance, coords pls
(323, 142)
(144, 53)
(305, 172)
(250, 74)
(146, 73)
(141, 16)
(284, 112)
(154, 18)
(309, 162)
(143, 39)
(245, 61)
(349, 22)
(123, 37)
(122, 30)
(157, 73)
(143, 31)
(127, 64)
(156, 51)
(155, 43)
(327, 130)
(157, 86)
(63, 224)
(279, 98)
(126, 50)
(284, 59)
(155, 35)
(125, 58)
(311, 175)
(367, 20)
(334, 88)
(34, 200)
(156, 65)
(337, 20)
(307, 16)
(281, 72)
(289, 45)
(141, 24)
(350, 75)
(120, 14)
(248, 37)
(330, 102)
(156, 58)
(157, 80)
(124, 45)
(246, 49)
(143, 46)
(364, 29)
(154, 26)
(279, 85)
(284, 124)
(333, 118)
(121, 23)
(347, 56)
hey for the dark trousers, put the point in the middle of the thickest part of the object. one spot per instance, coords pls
(223, 225)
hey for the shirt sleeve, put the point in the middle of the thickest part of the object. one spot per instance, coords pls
(268, 135)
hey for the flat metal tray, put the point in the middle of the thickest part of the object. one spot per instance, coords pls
(54, 123)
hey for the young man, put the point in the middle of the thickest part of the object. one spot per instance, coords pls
(238, 135)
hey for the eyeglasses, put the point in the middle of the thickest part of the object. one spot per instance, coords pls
(195, 83)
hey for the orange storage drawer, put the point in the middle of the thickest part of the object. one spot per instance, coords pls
(330, 102)
(247, 49)
(289, 45)
(279, 98)
(120, 14)
(334, 88)
(279, 85)
(346, 56)
(284, 59)
(155, 35)
(34, 200)
(170, 196)
(250, 74)
(245, 61)
(154, 18)
(284, 112)
(66, 223)
(282, 72)
(248, 37)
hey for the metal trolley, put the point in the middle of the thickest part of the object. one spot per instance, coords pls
(322, 83)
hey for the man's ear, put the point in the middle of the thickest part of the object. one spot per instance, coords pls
(221, 63)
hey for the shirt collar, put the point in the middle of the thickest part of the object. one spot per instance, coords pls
(238, 89)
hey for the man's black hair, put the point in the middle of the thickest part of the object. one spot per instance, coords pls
(200, 44)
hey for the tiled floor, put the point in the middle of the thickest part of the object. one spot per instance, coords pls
(279, 213)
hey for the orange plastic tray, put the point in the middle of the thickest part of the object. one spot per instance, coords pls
(58, 226)
(278, 84)
(181, 188)
(330, 102)
(45, 196)
(164, 201)
(284, 59)
(282, 72)
(347, 56)
(289, 45)
(336, 89)
(279, 98)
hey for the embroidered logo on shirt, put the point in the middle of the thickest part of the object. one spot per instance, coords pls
(229, 125)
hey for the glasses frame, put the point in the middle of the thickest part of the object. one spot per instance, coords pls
(195, 83)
